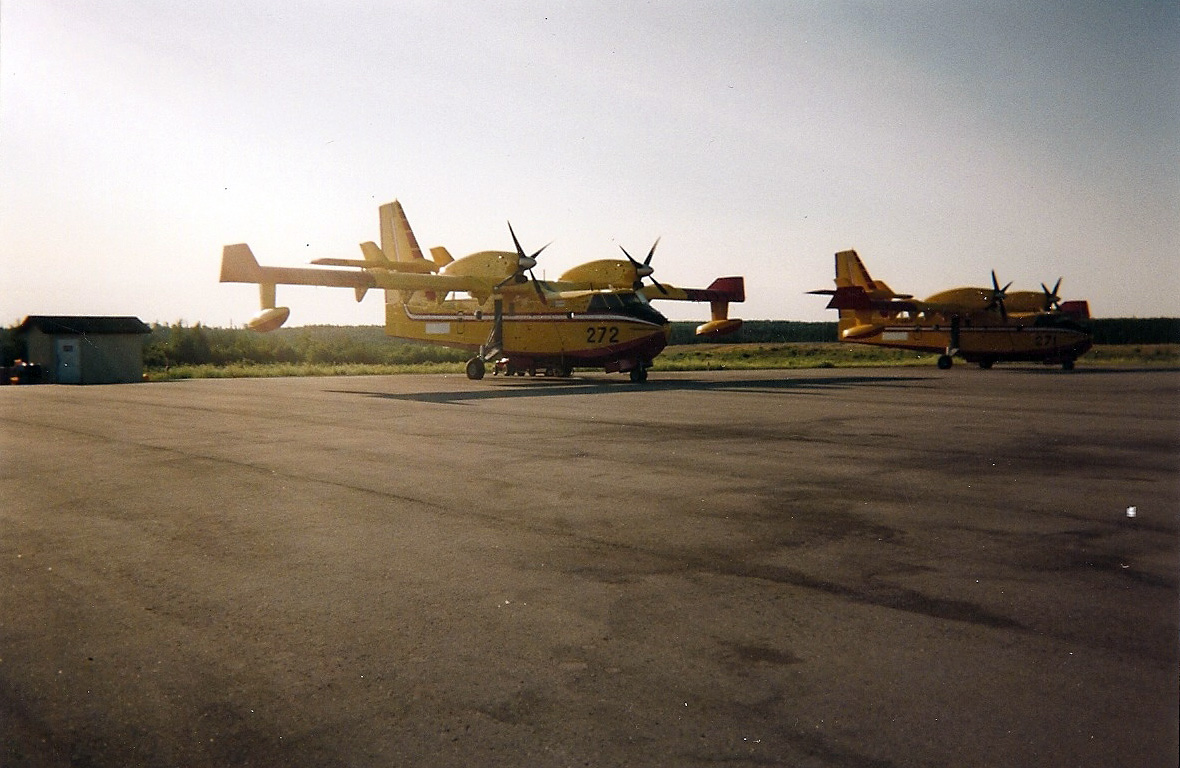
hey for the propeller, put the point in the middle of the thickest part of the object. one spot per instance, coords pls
(1052, 300)
(524, 264)
(645, 269)
(998, 296)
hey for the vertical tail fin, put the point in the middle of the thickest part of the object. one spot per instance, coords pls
(397, 239)
(851, 272)
(855, 289)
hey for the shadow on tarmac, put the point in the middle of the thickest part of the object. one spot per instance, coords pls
(1049, 371)
(531, 387)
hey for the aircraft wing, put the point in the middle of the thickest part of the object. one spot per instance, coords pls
(719, 293)
(723, 289)
(238, 265)
(420, 266)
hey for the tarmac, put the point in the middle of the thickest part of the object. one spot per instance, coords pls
(842, 567)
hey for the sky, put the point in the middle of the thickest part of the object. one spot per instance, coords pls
(940, 139)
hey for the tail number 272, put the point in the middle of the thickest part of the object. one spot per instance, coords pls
(598, 334)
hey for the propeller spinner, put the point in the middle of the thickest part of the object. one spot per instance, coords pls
(645, 269)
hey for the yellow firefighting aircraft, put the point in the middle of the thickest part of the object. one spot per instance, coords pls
(981, 325)
(595, 315)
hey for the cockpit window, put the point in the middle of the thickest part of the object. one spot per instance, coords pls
(629, 304)
(1058, 321)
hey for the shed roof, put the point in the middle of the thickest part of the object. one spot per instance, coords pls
(74, 325)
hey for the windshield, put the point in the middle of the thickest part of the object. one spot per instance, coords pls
(630, 304)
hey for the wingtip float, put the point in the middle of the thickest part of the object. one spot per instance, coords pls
(596, 315)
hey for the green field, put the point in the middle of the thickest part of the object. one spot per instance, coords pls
(835, 355)
(181, 351)
(688, 357)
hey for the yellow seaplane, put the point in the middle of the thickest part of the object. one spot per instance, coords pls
(980, 325)
(596, 315)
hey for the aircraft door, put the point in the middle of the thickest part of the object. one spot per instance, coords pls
(69, 361)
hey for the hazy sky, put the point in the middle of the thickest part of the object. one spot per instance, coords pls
(939, 139)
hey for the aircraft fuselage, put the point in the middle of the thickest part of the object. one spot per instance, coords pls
(976, 343)
(615, 332)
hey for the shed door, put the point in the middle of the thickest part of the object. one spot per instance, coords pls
(69, 357)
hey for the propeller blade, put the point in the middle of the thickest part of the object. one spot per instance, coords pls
(519, 250)
(1052, 300)
(998, 296)
(647, 261)
(525, 264)
(537, 288)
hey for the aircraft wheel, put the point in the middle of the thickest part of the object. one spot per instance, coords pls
(986, 363)
(1067, 365)
(638, 375)
(475, 369)
(945, 362)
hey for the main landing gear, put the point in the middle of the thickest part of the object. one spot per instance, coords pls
(475, 369)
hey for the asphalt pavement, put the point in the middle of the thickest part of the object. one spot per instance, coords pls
(861, 567)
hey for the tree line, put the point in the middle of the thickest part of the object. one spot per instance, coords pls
(183, 344)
